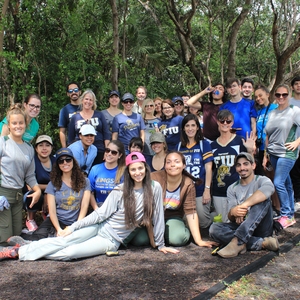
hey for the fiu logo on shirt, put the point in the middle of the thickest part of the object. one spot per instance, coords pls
(170, 130)
(130, 125)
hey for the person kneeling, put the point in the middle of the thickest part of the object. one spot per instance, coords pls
(250, 213)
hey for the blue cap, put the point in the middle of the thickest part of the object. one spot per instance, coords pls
(177, 98)
(64, 152)
(114, 92)
(127, 96)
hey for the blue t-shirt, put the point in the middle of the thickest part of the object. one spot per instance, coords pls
(102, 181)
(149, 129)
(99, 123)
(171, 129)
(196, 159)
(243, 111)
(42, 175)
(127, 127)
(68, 202)
(224, 172)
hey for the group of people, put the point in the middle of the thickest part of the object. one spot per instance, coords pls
(153, 173)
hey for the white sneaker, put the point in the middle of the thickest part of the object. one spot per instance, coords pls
(297, 206)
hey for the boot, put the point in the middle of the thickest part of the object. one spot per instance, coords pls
(232, 249)
(270, 243)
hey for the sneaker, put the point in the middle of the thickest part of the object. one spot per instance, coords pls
(17, 241)
(31, 225)
(270, 243)
(297, 206)
(286, 222)
(9, 252)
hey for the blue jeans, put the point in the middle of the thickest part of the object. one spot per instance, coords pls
(283, 184)
(257, 225)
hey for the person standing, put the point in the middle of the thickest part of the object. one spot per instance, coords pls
(247, 88)
(141, 95)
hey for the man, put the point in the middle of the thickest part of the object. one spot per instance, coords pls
(247, 88)
(141, 94)
(65, 114)
(243, 110)
(295, 172)
(250, 212)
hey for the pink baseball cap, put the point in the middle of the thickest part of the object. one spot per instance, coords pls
(134, 157)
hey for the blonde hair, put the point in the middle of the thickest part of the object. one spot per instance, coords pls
(16, 109)
(93, 97)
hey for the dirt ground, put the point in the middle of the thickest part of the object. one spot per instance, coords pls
(144, 273)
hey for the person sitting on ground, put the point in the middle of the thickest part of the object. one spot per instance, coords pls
(136, 145)
(250, 212)
(68, 197)
(137, 201)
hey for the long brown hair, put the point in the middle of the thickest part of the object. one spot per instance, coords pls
(121, 160)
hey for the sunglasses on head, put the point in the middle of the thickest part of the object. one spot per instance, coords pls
(62, 160)
(113, 152)
(284, 95)
(76, 90)
(127, 101)
(225, 121)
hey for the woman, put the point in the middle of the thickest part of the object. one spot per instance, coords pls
(44, 161)
(113, 109)
(151, 124)
(32, 108)
(282, 150)
(104, 177)
(89, 115)
(16, 166)
(137, 201)
(225, 149)
(179, 105)
(199, 161)
(158, 109)
(160, 148)
(170, 124)
(196, 110)
(68, 197)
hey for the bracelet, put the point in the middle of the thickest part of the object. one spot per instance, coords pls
(207, 187)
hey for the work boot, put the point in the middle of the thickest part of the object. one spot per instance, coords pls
(270, 243)
(232, 249)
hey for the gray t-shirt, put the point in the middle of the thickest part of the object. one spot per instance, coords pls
(295, 102)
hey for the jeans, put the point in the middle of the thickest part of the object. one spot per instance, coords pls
(283, 184)
(257, 225)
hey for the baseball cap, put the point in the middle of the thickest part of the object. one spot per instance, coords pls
(177, 98)
(127, 96)
(114, 92)
(87, 129)
(246, 155)
(134, 157)
(157, 137)
(44, 138)
(64, 152)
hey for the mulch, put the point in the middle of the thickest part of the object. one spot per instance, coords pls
(142, 273)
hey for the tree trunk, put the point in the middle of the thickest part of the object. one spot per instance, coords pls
(115, 65)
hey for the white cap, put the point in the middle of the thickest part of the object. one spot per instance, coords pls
(87, 129)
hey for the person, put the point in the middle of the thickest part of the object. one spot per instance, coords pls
(247, 88)
(136, 145)
(32, 107)
(199, 161)
(136, 201)
(68, 197)
(83, 150)
(196, 110)
(113, 109)
(282, 150)
(16, 166)
(158, 108)
(87, 114)
(170, 124)
(210, 109)
(160, 148)
(151, 124)
(106, 176)
(128, 124)
(65, 114)
(179, 200)
(179, 106)
(225, 149)
(141, 95)
(185, 97)
(243, 110)
(249, 212)
(44, 161)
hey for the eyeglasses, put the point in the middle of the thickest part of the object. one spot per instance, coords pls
(127, 101)
(178, 103)
(167, 107)
(149, 105)
(32, 106)
(113, 152)
(62, 160)
(225, 121)
(76, 90)
(157, 104)
(284, 95)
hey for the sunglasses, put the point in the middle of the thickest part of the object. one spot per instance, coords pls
(113, 152)
(284, 95)
(178, 103)
(226, 121)
(127, 101)
(62, 160)
(32, 106)
(76, 90)
(149, 105)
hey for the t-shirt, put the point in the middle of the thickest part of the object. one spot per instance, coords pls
(296, 102)
(224, 173)
(97, 121)
(42, 174)
(68, 202)
(195, 159)
(243, 111)
(172, 199)
(127, 127)
(109, 119)
(171, 129)
(102, 181)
